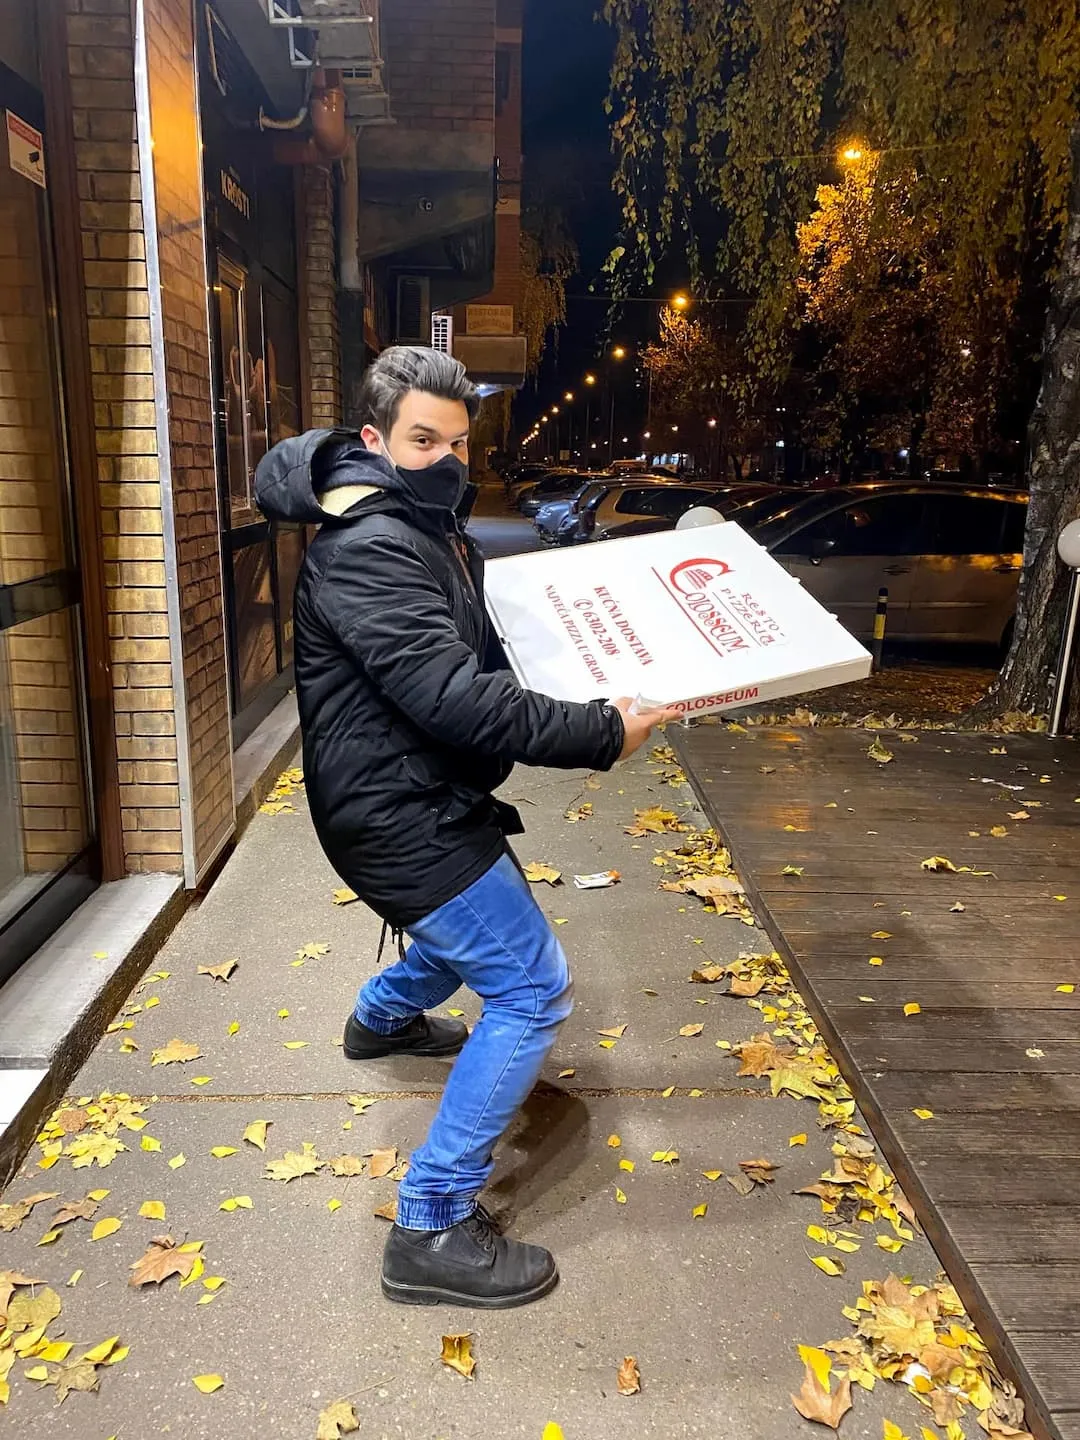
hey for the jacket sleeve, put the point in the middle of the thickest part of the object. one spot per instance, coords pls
(389, 611)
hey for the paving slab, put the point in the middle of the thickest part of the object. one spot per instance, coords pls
(275, 897)
(712, 1308)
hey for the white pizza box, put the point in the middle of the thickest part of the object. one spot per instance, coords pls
(701, 619)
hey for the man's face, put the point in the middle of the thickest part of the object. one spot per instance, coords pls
(427, 429)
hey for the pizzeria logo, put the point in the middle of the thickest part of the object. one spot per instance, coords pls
(693, 575)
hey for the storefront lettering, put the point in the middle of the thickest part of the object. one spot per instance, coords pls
(235, 195)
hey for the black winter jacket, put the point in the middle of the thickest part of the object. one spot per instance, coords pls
(409, 715)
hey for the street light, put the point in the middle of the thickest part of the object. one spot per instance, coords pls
(590, 379)
(851, 153)
(569, 397)
(619, 353)
(680, 301)
(712, 424)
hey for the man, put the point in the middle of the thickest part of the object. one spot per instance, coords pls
(410, 721)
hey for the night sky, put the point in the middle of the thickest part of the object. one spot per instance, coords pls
(567, 55)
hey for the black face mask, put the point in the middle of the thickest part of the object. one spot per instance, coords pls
(443, 483)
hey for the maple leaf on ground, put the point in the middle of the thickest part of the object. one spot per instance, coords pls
(654, 821)
(344, 896)
(746, 987)
(175, 1051)
(814, 1402)
(709, 974)
(382, 1162)
(294, 1164)
(689, 1031)
(70, 1120)
(218, 972)
(337, 1420)
(162, 1259)
(87, 1148)
(457, 1354)
(9, 1281)
(760, 1171)
(84, 1209)
(346, 1165)
(33, 1310)
(79, 1375)
(538, 872)
(760, 1054)
(12, 1216)
(628, 1379)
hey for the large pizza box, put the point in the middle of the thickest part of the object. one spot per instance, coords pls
(701, 619)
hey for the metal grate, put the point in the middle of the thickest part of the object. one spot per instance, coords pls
(442, 333)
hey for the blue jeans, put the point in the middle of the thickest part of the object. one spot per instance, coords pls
(494, 939)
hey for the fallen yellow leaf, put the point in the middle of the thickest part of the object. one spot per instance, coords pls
(152, 1210)
(887, 1242)
(923, 1114)
(819, 1363)
(628, 1380)
(296, 1044)
(796, 1140)
(234, 1028)
(283, 1014)
(457, 1354)
(201, 1079)
(213, 1282)
(76, 1276)
(913, 1008)
(333, 1205)
(876, 960)
(627, 1165)
(620, 1198)
(712, 1174)
(255, 1134)
(552, 1431)
(614, 1141)
(606, 1044)
(237, 1202)
(207, 1384)
(699, 1211)
(149, 1143)
(1065, 989)
(665, 1157)
(689, 1031)
(219, 1152)
(50, 1236)
(177, 1161)
(667, 1094)
(104, 1228)
(176, 1051)
(616, 1032)
(829, 1267)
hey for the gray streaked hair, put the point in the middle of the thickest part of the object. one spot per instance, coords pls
(402, 368)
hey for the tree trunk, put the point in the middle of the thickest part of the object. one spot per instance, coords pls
(1026, 679)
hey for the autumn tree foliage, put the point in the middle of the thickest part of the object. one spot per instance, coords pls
(727, 118)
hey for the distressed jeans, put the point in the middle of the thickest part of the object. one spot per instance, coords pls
(494, 939)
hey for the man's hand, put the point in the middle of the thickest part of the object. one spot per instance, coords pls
(639, 727)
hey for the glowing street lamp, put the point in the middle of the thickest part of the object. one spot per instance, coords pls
(569, 397)
(852, 153)
(680, 301)
(590, 379)
(554, 409)
(619, 353)
(712, 424)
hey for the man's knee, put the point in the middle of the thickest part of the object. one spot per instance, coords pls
(556, 993)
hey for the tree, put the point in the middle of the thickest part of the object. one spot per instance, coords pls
(696, 374)
(726, 117)
(895, 368)
(549, 257)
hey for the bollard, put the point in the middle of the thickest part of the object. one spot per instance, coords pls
(880, 616)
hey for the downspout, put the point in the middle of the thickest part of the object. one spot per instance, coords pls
(349, 227)
(329, 138)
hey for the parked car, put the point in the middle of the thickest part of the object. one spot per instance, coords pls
(631, 506)
(950, 557)
(560, 483)
(524, 483)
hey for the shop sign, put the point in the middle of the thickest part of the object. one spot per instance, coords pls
(233, 192)
(489, 319)
(26, 149)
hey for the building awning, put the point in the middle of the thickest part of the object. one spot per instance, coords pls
(497, 361)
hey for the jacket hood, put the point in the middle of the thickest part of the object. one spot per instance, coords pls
(290, 478)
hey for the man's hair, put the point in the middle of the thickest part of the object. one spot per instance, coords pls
(402, 368)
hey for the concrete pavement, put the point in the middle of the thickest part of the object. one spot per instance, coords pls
(712, 1308)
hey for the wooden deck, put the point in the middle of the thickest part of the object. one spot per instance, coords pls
(995, 1053)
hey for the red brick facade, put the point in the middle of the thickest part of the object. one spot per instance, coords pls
(440, 58)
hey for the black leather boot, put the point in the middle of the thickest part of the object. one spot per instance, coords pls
(468, 1264)
(423, 1036)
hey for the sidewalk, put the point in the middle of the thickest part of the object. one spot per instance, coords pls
(712, 1308)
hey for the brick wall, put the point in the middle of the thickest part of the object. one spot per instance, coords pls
(181, 246)
(154, 761)
(319, 324)
(441, 63)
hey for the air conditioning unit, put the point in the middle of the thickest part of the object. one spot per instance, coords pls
(414, 310)
(442, 333)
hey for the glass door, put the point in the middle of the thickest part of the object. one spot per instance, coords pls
(48, 859)
(258, 399)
